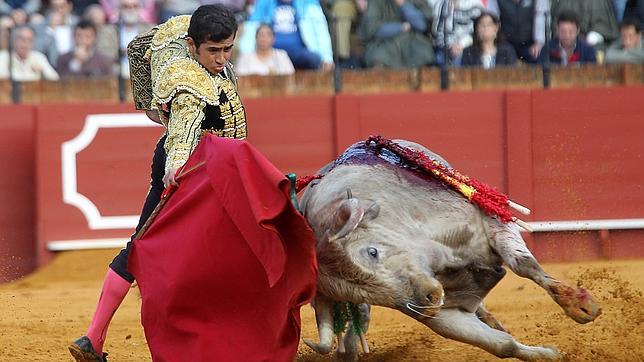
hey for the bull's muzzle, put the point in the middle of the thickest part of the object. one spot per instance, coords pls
(429, 298)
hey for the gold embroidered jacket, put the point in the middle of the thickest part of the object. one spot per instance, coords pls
(189, 99)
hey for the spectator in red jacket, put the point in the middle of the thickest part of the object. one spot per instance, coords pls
(568, 46)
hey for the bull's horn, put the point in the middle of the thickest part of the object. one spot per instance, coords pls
(347, 218)
(320, 348)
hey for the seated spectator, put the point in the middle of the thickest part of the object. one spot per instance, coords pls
(19, 10)
(568, 46)
(146, 10)
(61, 20)
(523, 25)
(96, 15)
(300, 28)
(26, 63)
(45, 42)
(596, 19)
(346, 14)
(84, 60)
(395, 33)
(265, 60)
(489, 49)
(628, 49)
(112, 39)
(456, 18)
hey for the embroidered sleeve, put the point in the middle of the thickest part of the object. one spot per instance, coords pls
(184, 128)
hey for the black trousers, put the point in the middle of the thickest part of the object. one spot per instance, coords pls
(119, 264)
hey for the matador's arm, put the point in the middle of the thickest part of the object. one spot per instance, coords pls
(184, 129)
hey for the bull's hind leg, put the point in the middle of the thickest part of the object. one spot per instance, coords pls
(466, 327)
(506, 240)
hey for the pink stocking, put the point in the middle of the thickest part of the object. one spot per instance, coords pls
(114, 290)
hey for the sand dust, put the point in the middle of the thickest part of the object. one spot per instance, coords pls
(42, 313)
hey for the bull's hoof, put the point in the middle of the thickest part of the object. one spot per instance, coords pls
(578, 304)
(347, 356)
(529, 353)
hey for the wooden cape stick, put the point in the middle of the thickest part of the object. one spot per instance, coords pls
(169, 190)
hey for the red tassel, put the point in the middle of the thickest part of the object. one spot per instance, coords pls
(302, 182)
(485, 197)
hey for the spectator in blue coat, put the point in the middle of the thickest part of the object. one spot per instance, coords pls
(568, 47)
(300, 29)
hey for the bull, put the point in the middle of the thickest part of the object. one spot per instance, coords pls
(390, 237)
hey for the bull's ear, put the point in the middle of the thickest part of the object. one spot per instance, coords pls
(346, 218)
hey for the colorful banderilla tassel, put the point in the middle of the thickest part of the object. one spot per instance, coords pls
(485, 197)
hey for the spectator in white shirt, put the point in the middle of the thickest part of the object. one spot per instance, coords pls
(27, 64)
(454, 18)
(61, 21)
(265, 60)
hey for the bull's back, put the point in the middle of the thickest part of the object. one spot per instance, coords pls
(418, 205)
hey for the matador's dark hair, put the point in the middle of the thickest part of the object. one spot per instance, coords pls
(212, 22)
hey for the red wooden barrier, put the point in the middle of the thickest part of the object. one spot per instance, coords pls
(567, 154)
(466, 128)
(100, 160)
(588, 152)
(17, 199)
(295, 133)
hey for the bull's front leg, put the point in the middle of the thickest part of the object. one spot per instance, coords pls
(352, 339)
(323, 307)
(466, 327)
(506, 240)
(486, 317)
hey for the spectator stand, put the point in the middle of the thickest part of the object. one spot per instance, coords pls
(370, 81)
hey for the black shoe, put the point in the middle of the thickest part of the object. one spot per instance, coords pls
(83, 351)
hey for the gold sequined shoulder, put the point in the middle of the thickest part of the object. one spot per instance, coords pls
(186, 74)
(171, 30)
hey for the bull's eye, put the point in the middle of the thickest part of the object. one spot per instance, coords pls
(373, 252)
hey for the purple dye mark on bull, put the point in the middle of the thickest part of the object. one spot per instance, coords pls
(359, 153)
(368, 154)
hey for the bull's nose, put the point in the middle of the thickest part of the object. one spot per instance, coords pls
(436, 298)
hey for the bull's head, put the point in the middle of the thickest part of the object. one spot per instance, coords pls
(364, 262)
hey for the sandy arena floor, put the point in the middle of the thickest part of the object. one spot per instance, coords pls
(42, 313)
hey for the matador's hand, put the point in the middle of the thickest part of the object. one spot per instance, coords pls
(169, 177)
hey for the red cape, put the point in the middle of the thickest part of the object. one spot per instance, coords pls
(228, 262)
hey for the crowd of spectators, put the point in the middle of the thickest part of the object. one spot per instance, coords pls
(49, 39)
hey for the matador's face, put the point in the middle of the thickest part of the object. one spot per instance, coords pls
(213, 55)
